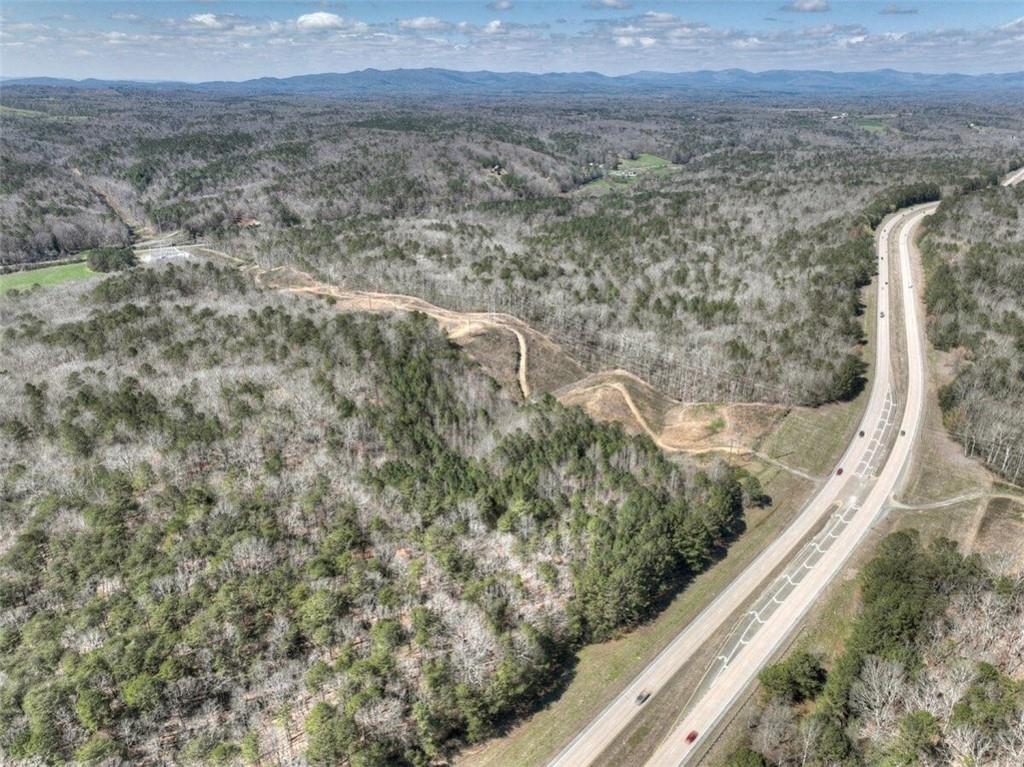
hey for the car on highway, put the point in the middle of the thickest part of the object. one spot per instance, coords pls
(692, 736)
(642, 697)
(862, 432)
(839, 472)
(883, 315)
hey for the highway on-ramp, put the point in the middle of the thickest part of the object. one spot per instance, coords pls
(848, 503)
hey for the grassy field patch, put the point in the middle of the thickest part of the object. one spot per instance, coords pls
(13, 112)
(827, 428)
(50, 275)
(627, 171)
(644, 162)
(35, 115)
(872, 124)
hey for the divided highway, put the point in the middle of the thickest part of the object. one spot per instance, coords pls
(863, 497)
(851, 502)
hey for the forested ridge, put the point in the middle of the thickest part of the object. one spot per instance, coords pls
(240, 527)
(729, 269)
(973, 251)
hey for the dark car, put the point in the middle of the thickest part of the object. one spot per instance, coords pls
(692, 736)
(839, 472)
(642, 697)
(862, 432)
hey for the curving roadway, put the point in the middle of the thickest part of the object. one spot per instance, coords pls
(864, 496)
(849, 504)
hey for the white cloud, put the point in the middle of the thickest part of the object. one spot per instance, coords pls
(807, 6)
(610, 42)
(747, 43)
(897, 10)
(612, 5)
(122, 16)
(424, 24)
(664, 28)
(208, 20)
(115, 38)
(629, 41)
(655, 17)
(320, 20)
(500, 5)
(23, 26)
(493, 28)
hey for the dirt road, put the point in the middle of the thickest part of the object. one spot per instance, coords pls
(542, 366)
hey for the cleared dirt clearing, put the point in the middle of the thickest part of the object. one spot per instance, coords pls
(510, 350)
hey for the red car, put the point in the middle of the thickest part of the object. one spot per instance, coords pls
(692, 736)
(839, 472)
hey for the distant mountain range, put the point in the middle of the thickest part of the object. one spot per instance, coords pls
(434, 82)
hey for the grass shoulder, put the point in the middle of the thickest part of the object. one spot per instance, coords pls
(602, 670)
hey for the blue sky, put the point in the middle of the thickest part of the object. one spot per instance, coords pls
(204, 40)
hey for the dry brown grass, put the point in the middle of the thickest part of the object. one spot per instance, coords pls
(494, 350)
(1000, 531)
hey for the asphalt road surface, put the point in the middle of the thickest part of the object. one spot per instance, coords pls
(849, 503)
(861, 501)
(1014, 178)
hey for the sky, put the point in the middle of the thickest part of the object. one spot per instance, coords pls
(205, 40)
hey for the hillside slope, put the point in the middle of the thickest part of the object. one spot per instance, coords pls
(241, 524)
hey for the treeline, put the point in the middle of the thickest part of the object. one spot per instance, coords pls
(897, 198)
(914, 682)
(237, 523)
(110, 259)
(974, 262)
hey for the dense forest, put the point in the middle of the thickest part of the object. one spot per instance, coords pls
(930, 672)
(242, 527)
(974, 259)
(239, 526)
(715, 247)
